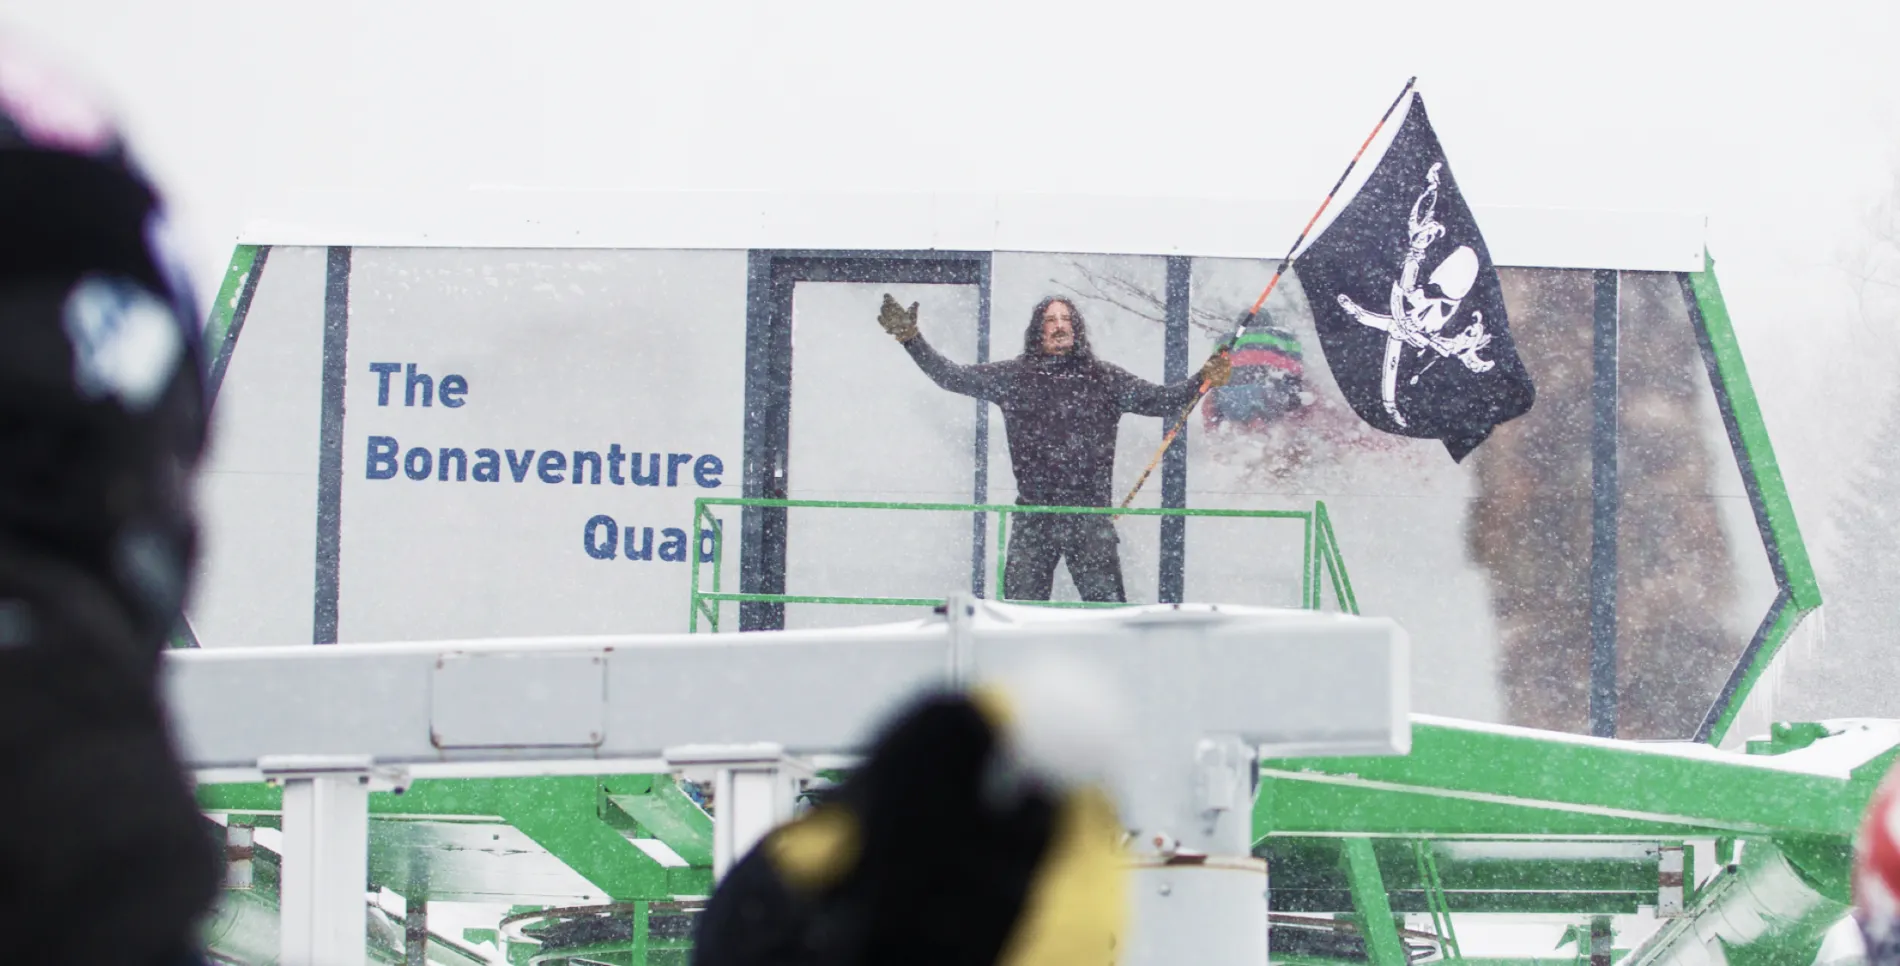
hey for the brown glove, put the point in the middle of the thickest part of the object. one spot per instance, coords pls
(900, 322)
(1219, 369)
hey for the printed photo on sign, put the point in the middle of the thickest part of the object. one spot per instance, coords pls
(435, 444)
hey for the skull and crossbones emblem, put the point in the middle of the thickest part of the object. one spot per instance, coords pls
(1419, 312)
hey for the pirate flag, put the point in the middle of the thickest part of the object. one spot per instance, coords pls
(1407, 303)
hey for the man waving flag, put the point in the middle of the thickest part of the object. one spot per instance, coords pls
(1407, 304)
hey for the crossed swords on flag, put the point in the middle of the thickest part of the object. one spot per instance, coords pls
(1417, 315)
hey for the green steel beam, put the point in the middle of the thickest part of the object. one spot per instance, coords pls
(1776, 506)
(1315, 864)
(561, 814)
(1401, 901)
(224, 308)
(1383, 946)
(1304, 808)
(1309, 876)
(692, 881)
(251, 798)
(1564, 773)
(664, 811)
(1768, 493)
(1335, 561)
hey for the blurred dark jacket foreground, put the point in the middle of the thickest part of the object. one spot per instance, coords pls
(104, 857)
(948, 846)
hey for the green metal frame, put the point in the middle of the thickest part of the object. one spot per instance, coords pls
(217, 342)
(1435, 901)
(1383, 945)
(1466, 780)
(1321, 556)
(236, 274)
(578, 819)
(1800, 592)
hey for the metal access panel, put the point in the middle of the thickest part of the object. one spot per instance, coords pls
(489, 701)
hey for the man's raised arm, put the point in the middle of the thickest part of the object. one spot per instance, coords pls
(982, 381)
(1144, 398)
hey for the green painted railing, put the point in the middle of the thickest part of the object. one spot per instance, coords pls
(1319, 549)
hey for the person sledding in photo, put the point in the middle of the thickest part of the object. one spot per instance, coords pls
(1060, 408)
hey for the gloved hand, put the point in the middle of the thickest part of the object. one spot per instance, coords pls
(1218, 369)
(900, 322)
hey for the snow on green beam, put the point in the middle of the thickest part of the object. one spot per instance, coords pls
(1291, 808)
(1808, 792)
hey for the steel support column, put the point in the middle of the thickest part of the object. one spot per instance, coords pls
(1174, 466)
(1605, 505)
(755, 789)
(1383, 947)
(325, 869)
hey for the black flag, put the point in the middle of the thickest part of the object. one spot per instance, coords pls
(1407, 303)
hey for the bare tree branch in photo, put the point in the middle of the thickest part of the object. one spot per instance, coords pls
(1114, 288)
(1873, 268)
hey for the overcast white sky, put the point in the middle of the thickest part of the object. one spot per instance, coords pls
(1780, 122)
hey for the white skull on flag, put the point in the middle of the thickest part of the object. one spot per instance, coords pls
(1419, 313)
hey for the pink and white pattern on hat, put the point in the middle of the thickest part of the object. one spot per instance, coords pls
(50, 109)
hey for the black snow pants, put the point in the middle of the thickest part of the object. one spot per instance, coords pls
(1037, 541)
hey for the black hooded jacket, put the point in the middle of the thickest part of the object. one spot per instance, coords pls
(104, 857)
(1059, 411)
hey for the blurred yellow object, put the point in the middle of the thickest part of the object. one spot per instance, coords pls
(1076, 913)
(994, 704)
(817, 851)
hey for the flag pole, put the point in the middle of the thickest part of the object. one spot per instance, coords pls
(1247, 320)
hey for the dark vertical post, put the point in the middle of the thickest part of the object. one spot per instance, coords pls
(1174, 367)
(1602, 941)
(415, 911)
(415, 930)
(1604, 506)
(336, 348)
(980, 489)
(768, 381)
